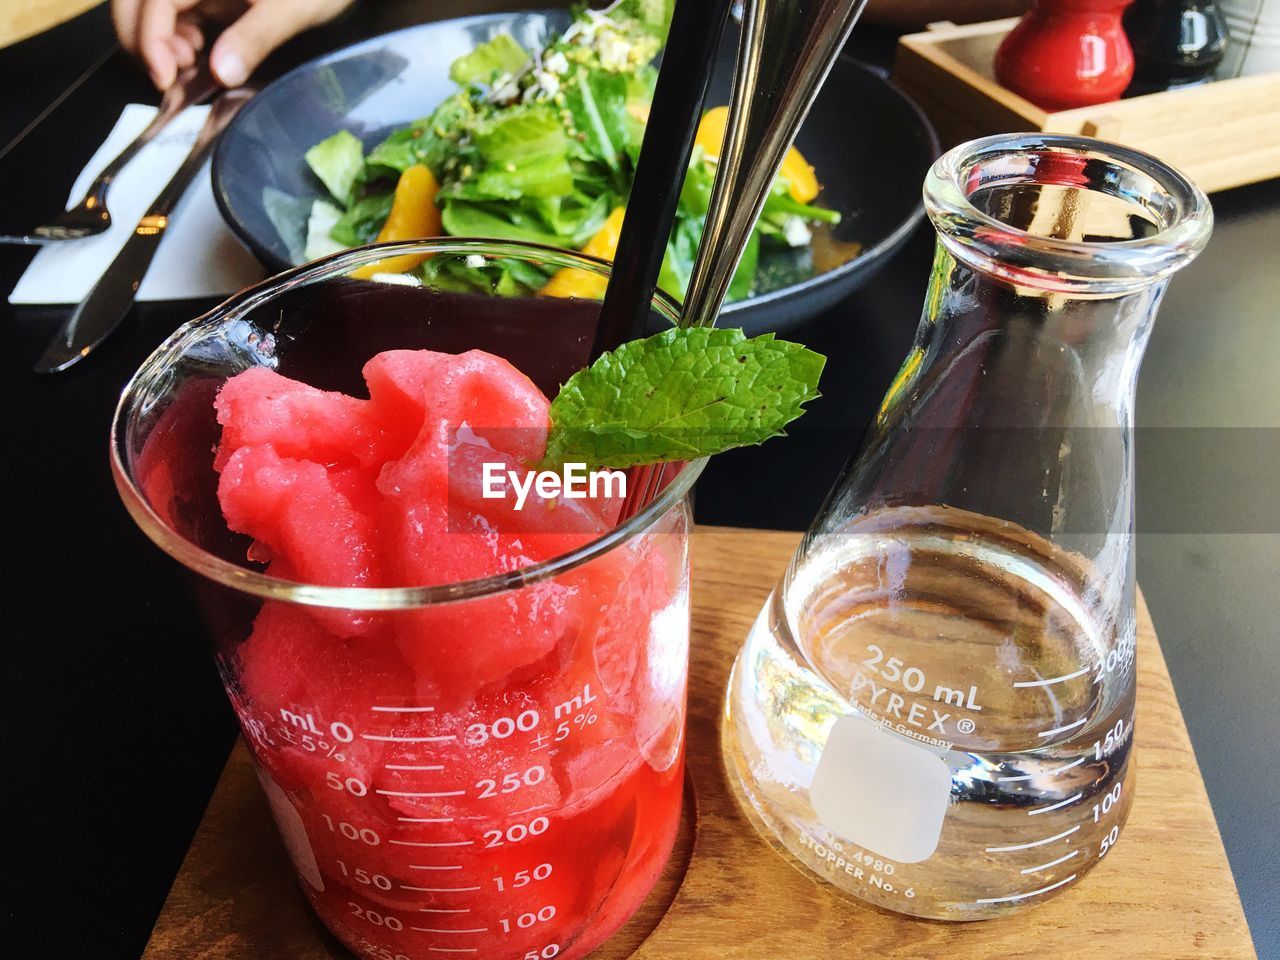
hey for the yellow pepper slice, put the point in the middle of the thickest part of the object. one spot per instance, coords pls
(796, 169)
(572, 282)
(414, 216)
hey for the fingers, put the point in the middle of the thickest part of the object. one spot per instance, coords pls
(162, 48)
(184, 55)
(264, 26)
(186, 42)
(124, 14)
(190, 31)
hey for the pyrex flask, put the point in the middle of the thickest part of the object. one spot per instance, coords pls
(934, 710)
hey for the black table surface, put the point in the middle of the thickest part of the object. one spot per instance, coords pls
(117, 725)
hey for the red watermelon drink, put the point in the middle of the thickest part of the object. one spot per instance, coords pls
(468, 719)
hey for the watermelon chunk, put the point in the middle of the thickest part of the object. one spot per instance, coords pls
(259, 407)
(528, 742)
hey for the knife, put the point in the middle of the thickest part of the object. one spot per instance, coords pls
(108, 303)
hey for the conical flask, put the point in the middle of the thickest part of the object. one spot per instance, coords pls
(934, 710)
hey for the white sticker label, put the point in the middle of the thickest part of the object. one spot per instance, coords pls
(292, 830)
(882, 792)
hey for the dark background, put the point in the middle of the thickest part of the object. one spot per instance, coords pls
(116, 726)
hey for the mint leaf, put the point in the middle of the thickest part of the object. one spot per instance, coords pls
(679, 395)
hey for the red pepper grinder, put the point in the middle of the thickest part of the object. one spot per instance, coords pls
(1067, 53)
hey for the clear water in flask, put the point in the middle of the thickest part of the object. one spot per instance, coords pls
(931, 716)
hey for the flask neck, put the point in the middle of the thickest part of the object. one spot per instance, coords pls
(1066, 214)
(1007, 354)
(1053, 254)
(1015, 403)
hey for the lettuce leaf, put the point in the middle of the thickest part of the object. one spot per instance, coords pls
(363, 219)
(525, 152)
(575, 219)
(431, 140)
(682, 250)
(500, 55)
(320, 243)
(337, 161)
(695, 195)
(467, 218)
(779, 205)
(598, 101)
(507, 277)
(653, 15)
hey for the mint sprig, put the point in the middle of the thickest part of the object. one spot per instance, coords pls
(679, 395)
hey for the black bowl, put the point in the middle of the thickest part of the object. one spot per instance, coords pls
(870, 144)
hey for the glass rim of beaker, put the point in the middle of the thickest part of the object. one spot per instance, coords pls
(245, 580)
(1062, 264)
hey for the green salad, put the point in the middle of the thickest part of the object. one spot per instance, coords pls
(540, 146)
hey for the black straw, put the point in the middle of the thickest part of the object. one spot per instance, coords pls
(687, 65)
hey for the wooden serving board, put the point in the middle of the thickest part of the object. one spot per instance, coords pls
(1166, 893)
(1221, 134)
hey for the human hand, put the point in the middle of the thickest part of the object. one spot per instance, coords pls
(167, 34)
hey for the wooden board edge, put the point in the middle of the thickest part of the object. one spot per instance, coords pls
(770, 551)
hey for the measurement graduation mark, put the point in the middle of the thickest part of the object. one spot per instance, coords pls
(1048, 773)
(388, 738)
(428, 866)
(425, 819)
(1051, 863)
(439, 909)
(429, 767)
(440, 843)
(1057, 730)
(1023, 896)
(1045, 683)
(444, 889)
(450, 949)
(405, 886)
(439, 930)
(403, 709)
(1034, 843)
(1060, 803)
(407, 793)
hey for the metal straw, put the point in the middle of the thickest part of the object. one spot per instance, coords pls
(787, 49)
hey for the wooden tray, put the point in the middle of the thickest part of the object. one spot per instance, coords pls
(1167, 892)
(1220, 134)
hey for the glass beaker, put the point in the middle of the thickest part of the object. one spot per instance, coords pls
(934, 710)
(488, 767)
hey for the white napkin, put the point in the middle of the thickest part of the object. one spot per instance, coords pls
(198, 256)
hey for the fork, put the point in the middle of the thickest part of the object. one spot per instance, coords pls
(90, 216)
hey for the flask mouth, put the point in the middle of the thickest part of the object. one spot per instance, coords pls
(1066, 214)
